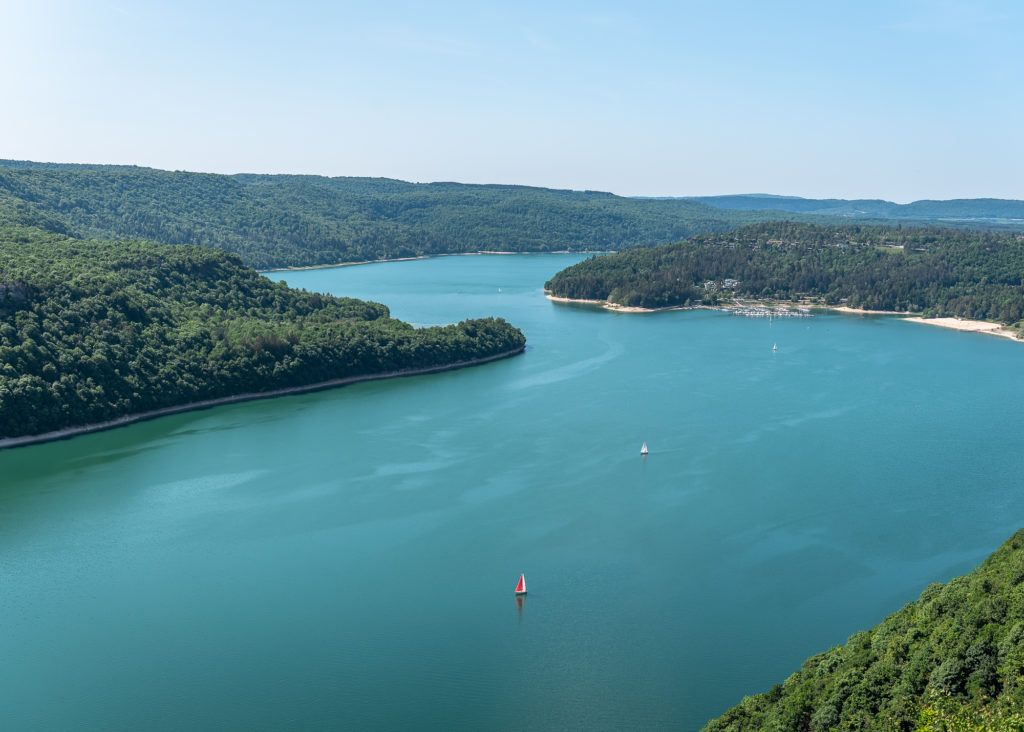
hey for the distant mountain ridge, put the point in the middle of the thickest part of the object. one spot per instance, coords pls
(303, 220)
(274, 221)
(983, 209)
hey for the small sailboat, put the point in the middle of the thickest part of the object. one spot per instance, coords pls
(775, 347)
(521, 587)
(643, 449)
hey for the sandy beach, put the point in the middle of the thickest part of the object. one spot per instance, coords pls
(972, 326)
(857, 311)
(614, 307)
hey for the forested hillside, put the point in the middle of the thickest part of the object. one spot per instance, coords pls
(940, 272)
(953, 660)
(291, 220)
(281, 220)
(988, 210)
(94, 330)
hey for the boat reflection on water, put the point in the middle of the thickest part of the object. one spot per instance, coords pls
(520, 604)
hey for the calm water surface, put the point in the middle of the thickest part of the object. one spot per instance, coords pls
(346, 559)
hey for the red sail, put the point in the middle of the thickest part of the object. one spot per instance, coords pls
(521, 587)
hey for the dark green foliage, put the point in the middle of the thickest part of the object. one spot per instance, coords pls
(957, 649)
(280, 220)
(290, 220)
(992, 210)
(939, 272)
(90, 331)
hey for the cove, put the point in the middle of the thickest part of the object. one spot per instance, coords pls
(347, 558)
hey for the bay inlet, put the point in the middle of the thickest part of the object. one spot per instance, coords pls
(347, 558)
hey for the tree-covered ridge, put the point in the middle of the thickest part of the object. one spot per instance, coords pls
(288, 220)
(957, 651)
(940, 272)
(91, 331)
(296, 220)
(982, 209)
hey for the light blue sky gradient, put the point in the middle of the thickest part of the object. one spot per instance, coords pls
(898, 100)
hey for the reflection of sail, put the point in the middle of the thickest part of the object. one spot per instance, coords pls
(520, 602)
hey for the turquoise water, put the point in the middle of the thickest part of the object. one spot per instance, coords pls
(346, 559)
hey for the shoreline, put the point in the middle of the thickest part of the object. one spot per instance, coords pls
(968, 326)
(952, 323)
(68, 432)
(961, 324)
(423, 256)
(616, 308)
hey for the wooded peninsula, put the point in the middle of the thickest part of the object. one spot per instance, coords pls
(953, 660)
(932, 271)
(91, 331)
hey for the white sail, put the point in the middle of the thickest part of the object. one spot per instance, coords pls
(643, 450)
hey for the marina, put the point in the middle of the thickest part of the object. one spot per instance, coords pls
(764, 311)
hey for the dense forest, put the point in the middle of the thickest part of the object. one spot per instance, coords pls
(989, 210)
(94, 330)
(953, 660)
(294, 220)
(938, 272)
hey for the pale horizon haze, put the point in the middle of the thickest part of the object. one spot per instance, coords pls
(898, 100)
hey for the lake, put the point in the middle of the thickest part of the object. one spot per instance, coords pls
(347, 558)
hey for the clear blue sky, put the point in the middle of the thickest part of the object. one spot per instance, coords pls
(898, 100)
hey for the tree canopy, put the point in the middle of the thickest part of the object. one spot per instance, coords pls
(939, 272)
(94, 330)
(1007, 212)
(952, 660)
(295, 220)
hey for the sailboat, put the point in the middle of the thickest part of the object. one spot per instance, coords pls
(643, 449)
(775, 347)
(521, 587)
